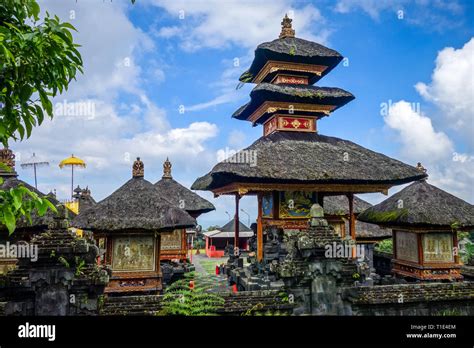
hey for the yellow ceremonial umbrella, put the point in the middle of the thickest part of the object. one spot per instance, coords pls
(72, 162)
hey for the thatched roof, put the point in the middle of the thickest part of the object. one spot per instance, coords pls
(292, 94)
(310, 158)
(180, 196)
(421, 204)
(339, 205)
(86, 201)
(38, 222)
(366, 231)
(294, 50)
(135, 206)
(230, 227)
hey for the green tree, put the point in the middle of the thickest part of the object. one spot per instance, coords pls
(38, 60)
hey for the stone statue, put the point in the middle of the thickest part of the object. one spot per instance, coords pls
(317, 216)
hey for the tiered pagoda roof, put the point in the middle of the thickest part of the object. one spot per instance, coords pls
(180, 196)
(298, 55)
(312, 100)
(291, 151)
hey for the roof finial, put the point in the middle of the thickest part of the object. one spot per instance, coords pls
(7, 158)
(421, 169)
(167, 169)
(286, 29)
(138, 169)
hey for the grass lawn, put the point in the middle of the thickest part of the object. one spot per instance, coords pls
(210, 265)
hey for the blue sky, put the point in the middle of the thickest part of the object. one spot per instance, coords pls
(144, 62)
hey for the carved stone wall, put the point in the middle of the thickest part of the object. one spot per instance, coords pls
(64, 280)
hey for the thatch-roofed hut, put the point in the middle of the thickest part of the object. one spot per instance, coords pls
(131, 221)
(175, 245)
(425, 221)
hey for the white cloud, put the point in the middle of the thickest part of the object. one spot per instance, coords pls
(418, 137)
(237, 139)
(217, 24)
(452, 87)
(110, 44)
(107, 146)
(451, 171)
(119, 129)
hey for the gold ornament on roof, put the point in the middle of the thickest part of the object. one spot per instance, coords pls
(167, 169)
(286, 28)
(421, 169)
(138, 169)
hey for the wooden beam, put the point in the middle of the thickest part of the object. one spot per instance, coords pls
(334, 189)
(259, 229)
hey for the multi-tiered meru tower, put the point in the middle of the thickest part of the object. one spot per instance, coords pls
(292, 166)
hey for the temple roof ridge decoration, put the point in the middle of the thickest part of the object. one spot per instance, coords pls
(286, 28)
(179, 195)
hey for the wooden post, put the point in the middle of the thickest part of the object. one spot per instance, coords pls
(352, 230)
(158, 261)
(259, 229)
(455, 245)
(419, 240)
(158, 252)
(236, 221)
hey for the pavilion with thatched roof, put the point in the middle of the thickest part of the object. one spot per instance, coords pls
(292, 166)
(174, 246)
(425, 221)
(131, 220)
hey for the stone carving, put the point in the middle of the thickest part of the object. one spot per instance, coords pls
(138, 168)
